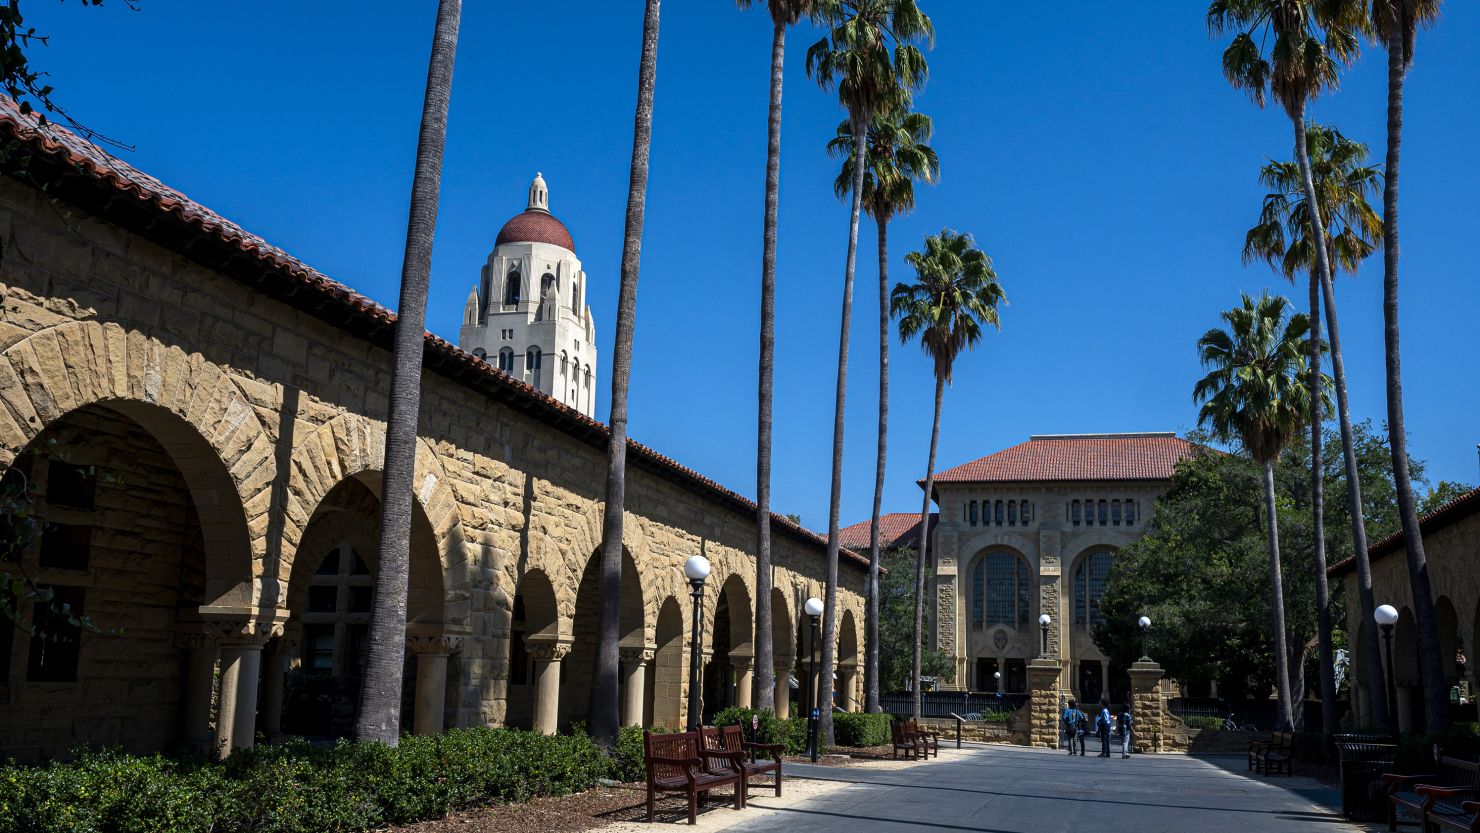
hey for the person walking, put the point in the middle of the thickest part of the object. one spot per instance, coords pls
(1125, 732)
(1102, 724)
(1073, 720)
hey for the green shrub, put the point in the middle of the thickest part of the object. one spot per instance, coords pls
(297, 787)
(997, 717)
(1202, 722)
(626, 761)
(769, 728)
(861, 730)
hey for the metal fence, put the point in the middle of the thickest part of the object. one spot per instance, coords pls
(946, 703)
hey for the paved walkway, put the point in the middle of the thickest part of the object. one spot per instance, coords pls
(1003, 789)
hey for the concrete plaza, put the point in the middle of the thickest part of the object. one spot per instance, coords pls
(1002, 789)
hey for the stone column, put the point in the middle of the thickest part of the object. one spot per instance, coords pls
(1043, 702)
(547, 655)
(1148, 709)
(847, 684)
(275, 657)
(241, 664)
(783, 687)
(744, 667)
(431, 650)
(634, 666)
(200, 686)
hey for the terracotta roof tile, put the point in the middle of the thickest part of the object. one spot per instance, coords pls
(139, 202)
(896, 529)
(1452, 512)
(1077, 457)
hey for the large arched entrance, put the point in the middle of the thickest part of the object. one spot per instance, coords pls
(126, 524)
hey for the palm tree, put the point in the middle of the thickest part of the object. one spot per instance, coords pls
(870, 55)
(783, 14)
(603, 716)
(956, 292)
(897, 156)
(1396, 23)
(379, 717)
(1283, 238)
(1255, 393)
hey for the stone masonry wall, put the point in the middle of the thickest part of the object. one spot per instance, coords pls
(264, 409)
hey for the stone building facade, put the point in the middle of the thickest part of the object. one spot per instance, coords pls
(196, 418)
(537, 329)
(1451, 542)
(1029, 530)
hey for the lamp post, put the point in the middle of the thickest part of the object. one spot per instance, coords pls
(1044, 621)
(1145, 623)
(814, 611)
(1387, 616)
(997, 676)
(696, 569)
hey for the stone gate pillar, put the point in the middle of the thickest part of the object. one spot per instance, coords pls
(1148, 708)
(1043, 702)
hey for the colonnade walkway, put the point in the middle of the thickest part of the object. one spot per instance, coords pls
(1004, 789)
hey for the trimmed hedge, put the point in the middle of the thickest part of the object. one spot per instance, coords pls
(769, 729)
(299, 788)
(861, 730)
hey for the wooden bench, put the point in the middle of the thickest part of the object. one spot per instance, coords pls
(1466, 821)
(1273, 755)
(679, 762)
(929, 741)
(731, 739)
(1438, 797)
(903, 740)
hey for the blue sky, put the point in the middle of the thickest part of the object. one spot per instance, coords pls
(1092, 148)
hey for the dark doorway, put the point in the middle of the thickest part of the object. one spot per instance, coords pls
(1091, 683)
(985, 669)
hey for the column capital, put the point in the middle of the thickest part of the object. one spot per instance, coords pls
(643, 654)
(433, 644)
(284, 644)
(547, 650)
(242, 633)
(742, 663)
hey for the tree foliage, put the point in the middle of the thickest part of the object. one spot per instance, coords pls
(1201, 571)
(897, 625)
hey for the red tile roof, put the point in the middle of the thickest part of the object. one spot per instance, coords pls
(1450, 513)
(1077, 457)
(535, 226)
(74, 170)
(896, 529)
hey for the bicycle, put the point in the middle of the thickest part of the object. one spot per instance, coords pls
(1231, 725)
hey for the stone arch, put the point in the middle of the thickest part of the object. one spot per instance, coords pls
(1450, 642)
(193, 408)
(1074, 581)
(351, 445)
(850, 663)
(634, 631)
(536, 627)
(666, 706)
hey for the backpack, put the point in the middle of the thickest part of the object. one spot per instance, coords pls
(1071, 720)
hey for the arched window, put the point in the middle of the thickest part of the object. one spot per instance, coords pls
(999, 514)
(1115, 512)
(1077, 509)
(1104, 513)
(336, 619)
(547, 284)
(999, 591)
(1130, 513)
(564, 363)
(506, 360)
(971, 513)
(480, 353)
(1012, 517)
(1089, 587)
(532, 359)
(511, 288)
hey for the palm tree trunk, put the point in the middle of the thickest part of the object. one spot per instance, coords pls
(1371, 648)
(764, 696)
(1430, 663)
(603, 715)
(830, 594)
(924, 548)
(1277, 602)
(1318, 492)
(379, 717)
(1324, 651)
(871, 666)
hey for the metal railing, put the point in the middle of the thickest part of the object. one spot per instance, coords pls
(970, 705)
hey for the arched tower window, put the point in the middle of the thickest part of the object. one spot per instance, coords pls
(511, 288)
(1089, 587)
(532, 359)
(999, 591)
(547, 285)
(506, 360)
(480, 353)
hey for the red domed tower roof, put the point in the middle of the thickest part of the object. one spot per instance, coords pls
(535, 226)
